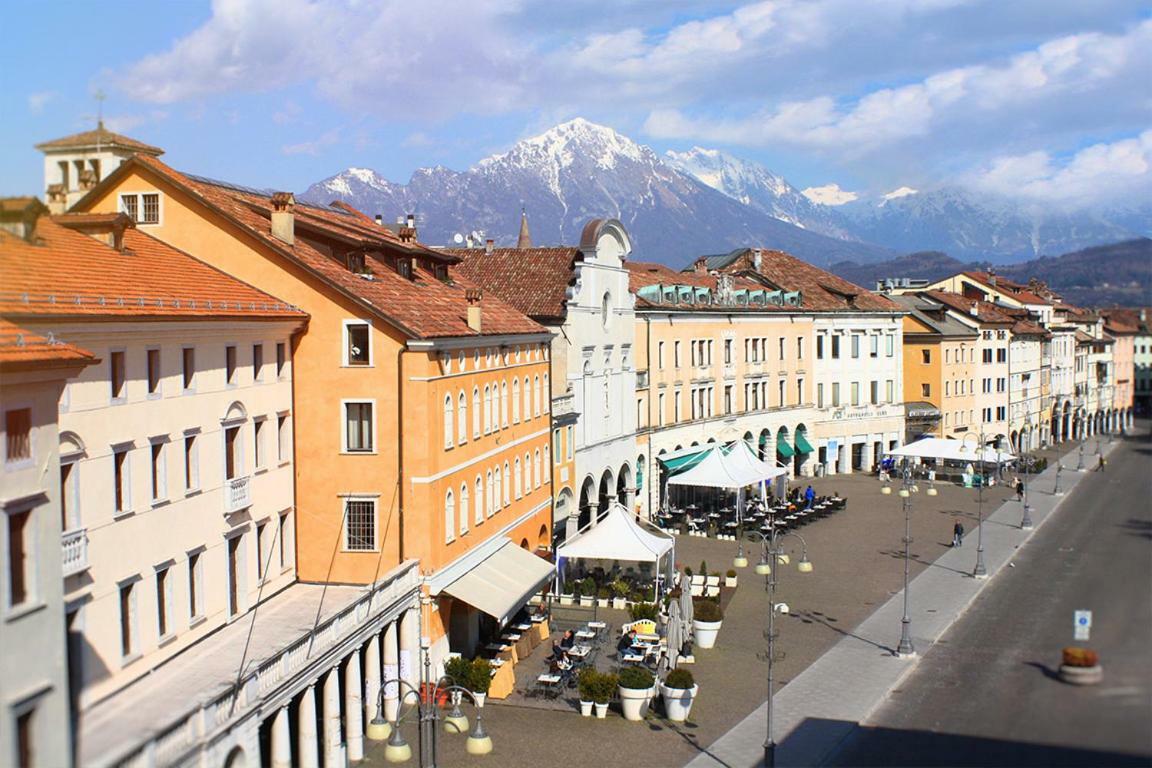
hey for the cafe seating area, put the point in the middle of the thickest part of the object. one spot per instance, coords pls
(719, 520)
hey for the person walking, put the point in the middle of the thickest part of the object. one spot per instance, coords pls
(809, 497)
(958, 534)
(1019, 489)
(1100, 464)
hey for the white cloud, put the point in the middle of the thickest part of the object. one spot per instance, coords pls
(313, 147)
(829, 194)
(37, 101)
(1107, 172)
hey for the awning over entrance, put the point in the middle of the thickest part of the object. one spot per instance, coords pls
(802, 444)
(503, 582)
(783, 448)
(921, 410)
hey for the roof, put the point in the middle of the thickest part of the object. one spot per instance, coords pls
(642, 274)
(1124, 322)
(820, 289)
(22, 349)
(102, 137)
(18, 205)
(986, 312)
(422, 307)
(533, 280)
(921, 308)
(1018, 291)
(66, 273)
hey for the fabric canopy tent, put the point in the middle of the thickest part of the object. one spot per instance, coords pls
(685, 458)
(617, 537)
(733, 468)
(802, 444)
(951, 450)
(783, 448)
(503, 582)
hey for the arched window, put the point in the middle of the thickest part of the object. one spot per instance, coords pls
(503, 403)
(477, 413)
(516, 402)
(640, 473)
(462, 419)
(464, 504)
(547, 395)
(507, 487)
(547, 457)
(490, 495)
(499, 491)
(539, 399)
(605, 305)
(487, 409)
(449, 518)
(479, 500)
(537, 470)
(516, 479)
(449, 422)
(528, 400)
(527, 473)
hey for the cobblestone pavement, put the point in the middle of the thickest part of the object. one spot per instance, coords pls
(858, 559)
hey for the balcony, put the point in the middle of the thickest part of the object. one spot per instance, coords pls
(75, 551)
(237, 494)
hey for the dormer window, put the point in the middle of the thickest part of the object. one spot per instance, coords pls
(142, 208)
(441, 272)
(404, 267)
(356, 263)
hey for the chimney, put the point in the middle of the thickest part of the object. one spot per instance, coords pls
(57, 199)
(991, 277)
(284, 217)
(974, 310)
(489, 244)
(412, 221)
(700, 267)
(757, 258)
(472, 296)
(379, 220)
(31, 216)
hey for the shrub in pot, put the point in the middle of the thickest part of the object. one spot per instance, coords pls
(730, 578)
(1081, 666)
(459, 671)
(586, 684)
(604, 596)
(605, 686)
(479, 679)
(566, 592)
(679, 690)
(620, 592)
(588, 591)
(644, 611)
(707, 618)
(635, 692)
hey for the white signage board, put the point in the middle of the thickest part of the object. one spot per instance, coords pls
(1082, 624)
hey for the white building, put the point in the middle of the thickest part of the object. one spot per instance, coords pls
(75, 164)
(34, 683)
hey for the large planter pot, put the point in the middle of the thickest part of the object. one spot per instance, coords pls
(620, 603)
(480, 698)
(586, 708)
(705, 634)
(634, 702)
(1081, 675)
(565, 599)
(603, 602)
(678, 701)
(587, 600)
(730, 581)
(601, 710)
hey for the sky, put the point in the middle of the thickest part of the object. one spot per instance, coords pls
(1047, 100)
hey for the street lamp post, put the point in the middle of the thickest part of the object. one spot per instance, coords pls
(1026, 520)
(905, 647)
(771, 554)
(1056, 489)
(980, 571)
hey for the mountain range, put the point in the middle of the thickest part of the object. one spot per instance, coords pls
(684, 204)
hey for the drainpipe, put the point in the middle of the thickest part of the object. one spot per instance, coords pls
(650, 461)
(400, 447)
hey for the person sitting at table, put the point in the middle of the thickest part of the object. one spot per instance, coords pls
(626, 642)
(567, 640)
(558, 652)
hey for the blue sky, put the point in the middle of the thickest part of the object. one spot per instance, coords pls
(1045, 100)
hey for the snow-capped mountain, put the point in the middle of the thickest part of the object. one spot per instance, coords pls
(576, 171)
(759, 188)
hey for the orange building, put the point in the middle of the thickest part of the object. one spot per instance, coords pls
(422, 421)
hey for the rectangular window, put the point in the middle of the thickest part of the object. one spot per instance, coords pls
(233, 459)
(159, 473)
(660, 355)
(926, 390)
(150, 208)
(855, 345)
(18, 434)
(356, 344)
(875, 392)
(153, 371)
(258, 453)
(571, 443)
(195, 586)
(781, 345)
(127, 619)
(130, 205)
(117, 374)
(987, 355)
(285, 553)
(163, 601)
(835, 394)
(260, 528)
(358, 427)
(26, 738)
(835, 347)
(676, 354)
(257, 362)
(230, 364)
(69, 497)
(283, 435)
(234, 565)
(660, 409)
(727, 398)
(947, 388)
(799, 347)
(799, 391)
(874, 346)
(18, 556)
(1001, 355)
(926, 356)
(890, 390)
(819, 395)
(780, 392)
(889, 345)
(855, 393)
(820, 347)
(120, 480)
(189, 367)
(281, 358)
(191, 463)
(728, 351)
(360, 525)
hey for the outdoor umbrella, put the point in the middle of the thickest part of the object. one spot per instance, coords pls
(675, 633)
(686, 606)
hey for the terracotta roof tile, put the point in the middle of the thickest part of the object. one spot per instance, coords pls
(534, 280)
(986, 311)
(1019, 291)
(22, 349)
(642, 274)
(67, 273)
(100, 136)
(424, 307)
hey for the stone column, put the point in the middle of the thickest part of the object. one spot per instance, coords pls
(371, 677)
(866, 455)
(410, 646)
(846, 458)
(391, 671)
(353, 709)
(281, 740)
(332, 718)
(306, 730)
(593, 509)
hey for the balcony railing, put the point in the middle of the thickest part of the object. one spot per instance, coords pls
(75, 551)
(237, 494)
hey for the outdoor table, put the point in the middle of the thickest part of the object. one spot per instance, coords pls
(510, 636)
(503, 680)
(522, 627)
(631, 657)
(647, 638)
(524, 647)
(585, 634)
(496, 647)
(579, 651)
(542, 629)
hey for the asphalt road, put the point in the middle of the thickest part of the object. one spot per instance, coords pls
(987, 694)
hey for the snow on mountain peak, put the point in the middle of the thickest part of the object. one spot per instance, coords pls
(900, 192)
(561, 145)
(366, 175)
(829, 194)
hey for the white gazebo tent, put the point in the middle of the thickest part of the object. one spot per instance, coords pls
(617, 536)
(951, 450)
(733, 469)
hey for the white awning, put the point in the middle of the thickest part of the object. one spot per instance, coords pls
(617, 537)
(735, 468)
(951, 450)
(503, 582)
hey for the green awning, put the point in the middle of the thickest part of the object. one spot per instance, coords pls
(783, 448)
(682, 461)
(802, 445)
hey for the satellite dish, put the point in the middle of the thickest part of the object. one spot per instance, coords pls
(457, 238)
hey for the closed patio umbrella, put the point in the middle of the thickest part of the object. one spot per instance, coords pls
(675, 633)
(686, 611)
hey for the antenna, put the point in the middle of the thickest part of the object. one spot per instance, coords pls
(457, 238)
(99, 96)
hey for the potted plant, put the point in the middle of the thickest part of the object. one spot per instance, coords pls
(679, 690)
(605, 687)
(458, 670)
(566, 592)
(635, 685)
(604, 596)
(1081, 666)
(644, 612)
(588, 591)
(479, 679)
(730, 578)
(706, 620)
(586, 684)
(620, 592)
